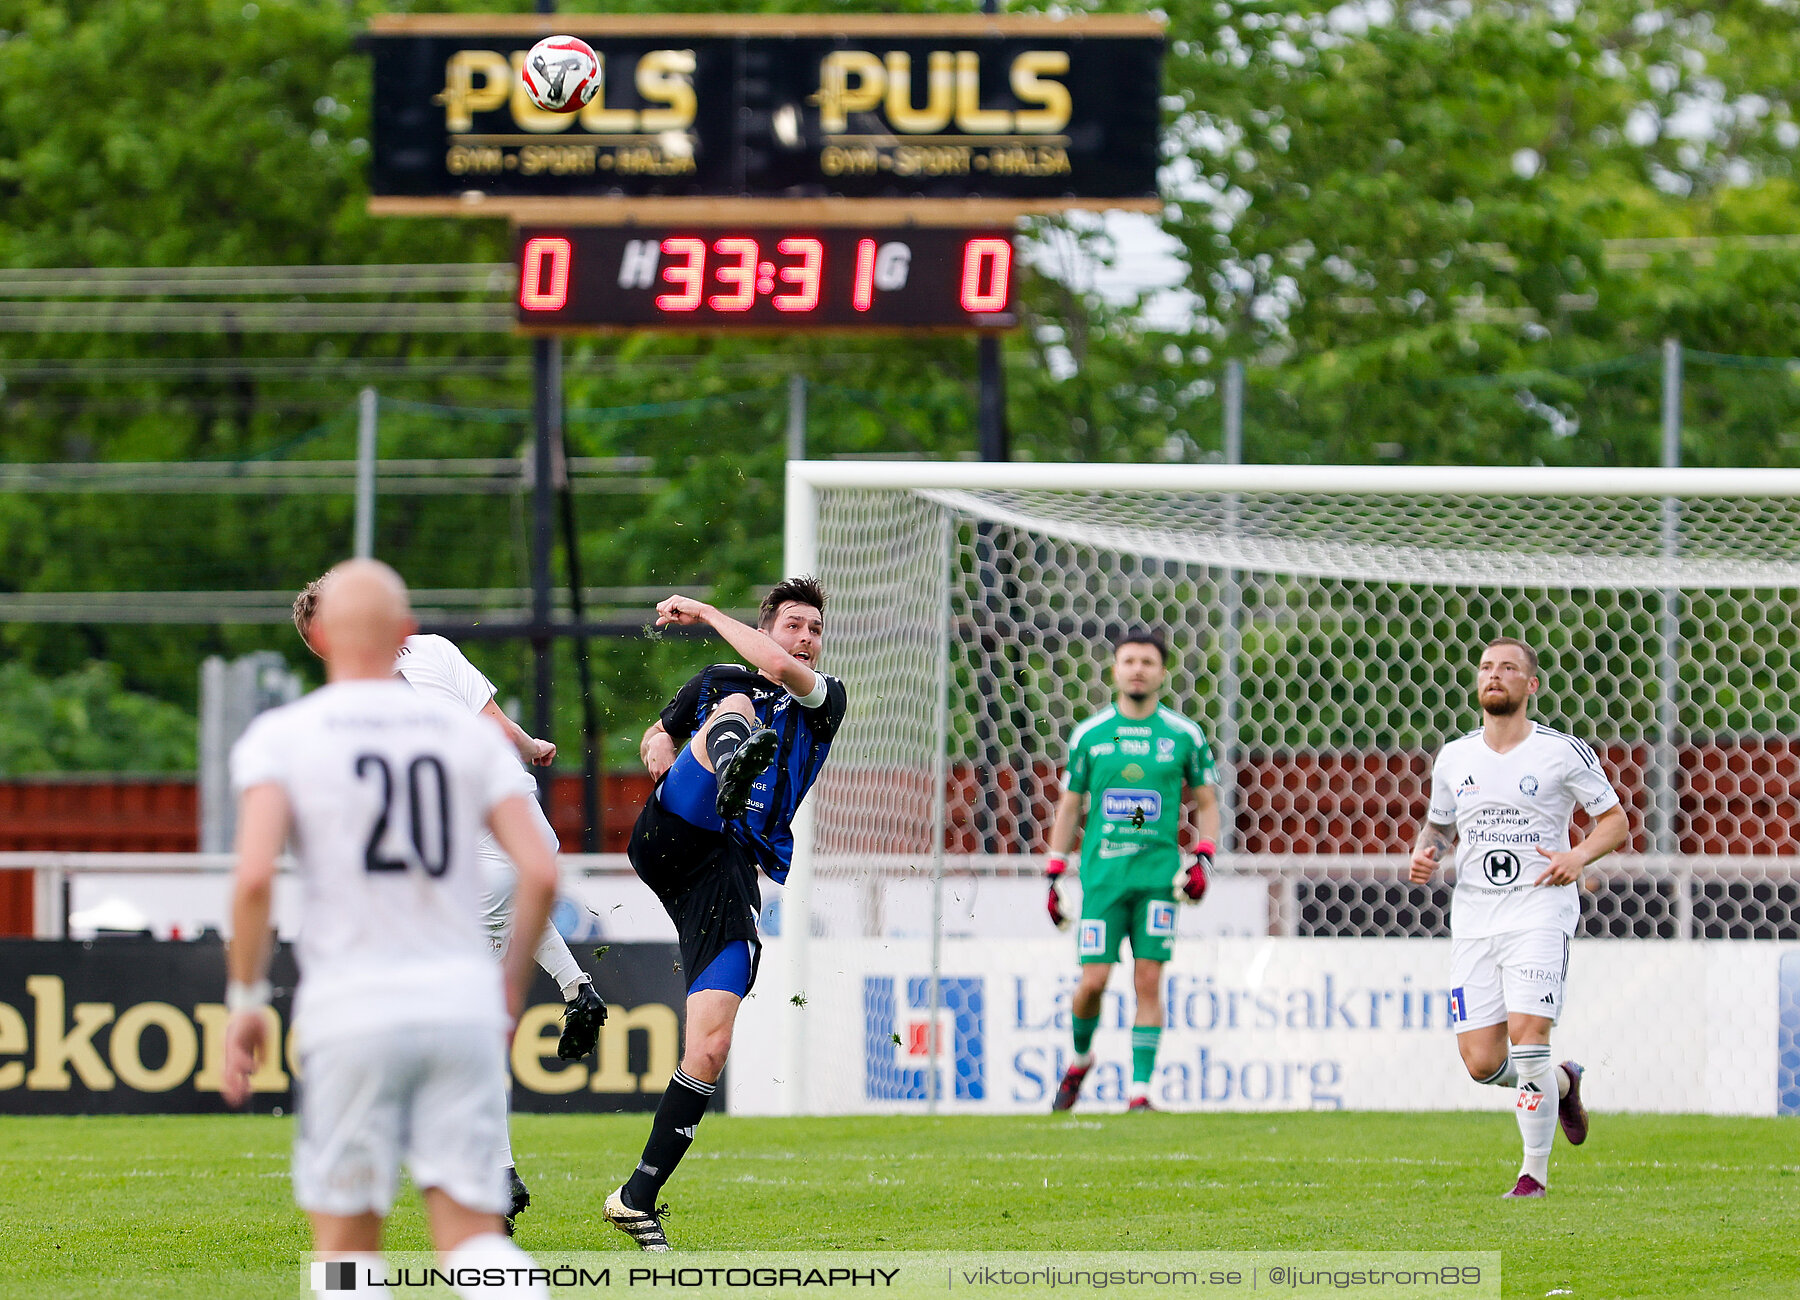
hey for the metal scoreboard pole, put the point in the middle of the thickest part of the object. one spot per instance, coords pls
(546, 409)
(546, 367)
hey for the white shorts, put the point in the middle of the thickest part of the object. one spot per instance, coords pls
(1520, 972)
(433, 1095)
(499, 878)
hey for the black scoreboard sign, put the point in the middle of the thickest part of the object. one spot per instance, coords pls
(775, 106)
(761, 277)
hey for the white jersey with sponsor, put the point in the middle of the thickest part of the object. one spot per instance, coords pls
(433, 666)
(389, 793)
(1505, 808)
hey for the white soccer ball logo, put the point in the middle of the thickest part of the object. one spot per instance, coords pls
(561, 74)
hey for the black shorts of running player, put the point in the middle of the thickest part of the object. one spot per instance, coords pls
(706, 882)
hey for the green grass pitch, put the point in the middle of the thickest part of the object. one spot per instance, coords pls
(198, 1207)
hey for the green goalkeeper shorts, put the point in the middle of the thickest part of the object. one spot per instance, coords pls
(1145, 916)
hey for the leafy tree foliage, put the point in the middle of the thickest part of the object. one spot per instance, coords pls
(86, 721)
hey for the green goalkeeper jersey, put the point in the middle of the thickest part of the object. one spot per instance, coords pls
(1132, 773)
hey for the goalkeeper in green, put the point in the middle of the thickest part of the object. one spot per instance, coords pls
(1134, 769)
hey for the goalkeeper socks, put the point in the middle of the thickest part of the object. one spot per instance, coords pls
(1536, 1108)
(1507, 1076)
(490, 1267)
(671, 1134)
(1144, 1042)
(728, 731)
(1084, 1036)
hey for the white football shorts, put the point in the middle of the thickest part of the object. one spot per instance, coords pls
(433, 1095)
(1520, 972)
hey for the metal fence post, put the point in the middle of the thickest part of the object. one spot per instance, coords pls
(1665, 794)
(368, 407)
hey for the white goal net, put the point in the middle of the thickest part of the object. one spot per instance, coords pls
(1323, 625)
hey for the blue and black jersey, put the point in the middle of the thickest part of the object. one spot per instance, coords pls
(805, 736)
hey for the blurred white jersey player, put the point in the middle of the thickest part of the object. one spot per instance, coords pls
(434, 667)
(401, 1015)
(1504, 794)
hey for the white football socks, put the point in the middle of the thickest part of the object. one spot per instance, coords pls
(1536, 1107)
(482, 1255)
(554, 956)
(1507, 1076)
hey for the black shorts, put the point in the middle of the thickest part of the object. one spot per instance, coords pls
(706, 882)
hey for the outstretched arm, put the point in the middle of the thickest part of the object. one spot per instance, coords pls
(758, 648)
(539, 753)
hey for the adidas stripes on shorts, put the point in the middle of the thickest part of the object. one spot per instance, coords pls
(1520, 972)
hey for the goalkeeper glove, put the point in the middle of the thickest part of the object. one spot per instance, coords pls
(1190, 878)
(1053, 872)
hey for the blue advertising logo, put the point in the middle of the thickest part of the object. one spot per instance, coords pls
(898, 1041)
(1123, 805)
(1787, 1051)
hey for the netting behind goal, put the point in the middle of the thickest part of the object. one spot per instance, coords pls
(1326, 642)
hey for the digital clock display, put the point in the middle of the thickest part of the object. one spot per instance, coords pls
(634, 277)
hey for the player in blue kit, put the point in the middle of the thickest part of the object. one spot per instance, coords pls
(734, 754)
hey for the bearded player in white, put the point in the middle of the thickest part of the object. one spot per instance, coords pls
(434, 667)
(401, 1015)
(1503, 795)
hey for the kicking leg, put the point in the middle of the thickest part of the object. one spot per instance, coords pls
(736, 750)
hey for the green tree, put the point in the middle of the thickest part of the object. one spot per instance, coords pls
(85, 722)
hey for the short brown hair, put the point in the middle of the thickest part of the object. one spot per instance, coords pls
(1531, 659)
(804, 590)
(1149, 636)
(306, 607)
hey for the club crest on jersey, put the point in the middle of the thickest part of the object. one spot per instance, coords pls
(1165, 749)
(1125, 805)
(1528, 785)
(1468, 786)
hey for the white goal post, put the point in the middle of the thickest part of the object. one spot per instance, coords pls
(1323, 622)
